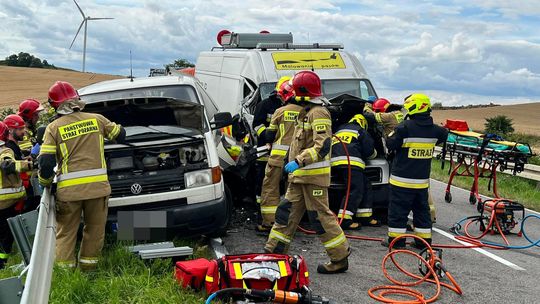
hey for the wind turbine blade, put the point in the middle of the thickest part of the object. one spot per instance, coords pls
(80, 10)
(89, 18)
(80, 26)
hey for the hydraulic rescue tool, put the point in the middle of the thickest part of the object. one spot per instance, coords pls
(305, 296)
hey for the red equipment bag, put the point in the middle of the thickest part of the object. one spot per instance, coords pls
(192, 273)
(236, 271)
(456, 125)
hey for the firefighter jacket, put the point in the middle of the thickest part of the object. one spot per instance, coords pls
(414, 141)
(311, 146)
(359, 145)
(77, 143)
(11, 187)
(28, 141)
(388, 121)
(262, 116)
(280, 132)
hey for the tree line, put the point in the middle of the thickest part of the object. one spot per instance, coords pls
(26, 60)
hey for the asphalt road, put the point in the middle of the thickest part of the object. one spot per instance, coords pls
(485, 276)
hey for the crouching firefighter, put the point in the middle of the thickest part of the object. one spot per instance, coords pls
(413, 141)
(75, 141)
(309, 179)
(359, 145)
(280, 133)
(261, 120)
(12, 192)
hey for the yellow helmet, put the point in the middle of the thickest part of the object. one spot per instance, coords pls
(360, 120)
(281, 81)
(417, 103)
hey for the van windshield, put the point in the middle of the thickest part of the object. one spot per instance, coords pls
(331, 88)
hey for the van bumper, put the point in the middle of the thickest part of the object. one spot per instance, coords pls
(167, 220)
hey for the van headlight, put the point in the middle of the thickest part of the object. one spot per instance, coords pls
(198, 178)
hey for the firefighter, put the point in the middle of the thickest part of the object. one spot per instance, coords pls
(29, 111)
(280, 133)
(359, 146)
(309, 179)
(75, 142)
(261, 120)
(413, 141)
(388, 121)
(16, 127)
(12, 192)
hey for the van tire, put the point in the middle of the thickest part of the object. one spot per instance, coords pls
(222, 231)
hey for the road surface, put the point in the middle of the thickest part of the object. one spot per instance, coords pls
(485, 275)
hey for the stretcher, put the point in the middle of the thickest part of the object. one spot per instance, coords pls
(480, 155)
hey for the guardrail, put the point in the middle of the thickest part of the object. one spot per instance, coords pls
(531, 172)
(38, 280)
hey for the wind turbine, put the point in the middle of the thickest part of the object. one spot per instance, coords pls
(85, 23)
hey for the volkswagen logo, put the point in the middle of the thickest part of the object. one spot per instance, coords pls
(136, 188)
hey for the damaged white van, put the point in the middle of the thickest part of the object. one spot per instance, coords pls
(169, 162)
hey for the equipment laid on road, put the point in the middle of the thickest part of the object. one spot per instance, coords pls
(304, 296)
(479, 155)
(431, 268)
(496, 216)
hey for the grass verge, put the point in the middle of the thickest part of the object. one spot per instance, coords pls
(121, 277)
(511, 187)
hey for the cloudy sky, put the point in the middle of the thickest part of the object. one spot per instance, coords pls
(459, 51)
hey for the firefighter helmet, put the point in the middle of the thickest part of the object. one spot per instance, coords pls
(380, 105)
(3, 132)
(61, 92)
(417, 103)
(28, 107)
(14, 121)
(360, 120)
(306, 85)
(281, 81)
(285, 91)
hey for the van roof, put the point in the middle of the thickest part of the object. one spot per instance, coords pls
(142, 82)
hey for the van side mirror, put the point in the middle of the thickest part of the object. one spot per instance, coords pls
(221, 120)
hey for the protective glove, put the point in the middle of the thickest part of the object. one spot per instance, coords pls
(371, 99)
(291, 167)
(35, 149)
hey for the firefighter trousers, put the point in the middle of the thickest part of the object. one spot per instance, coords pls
(403, 201)
(68, 219)
(360, 202)
(6, 238)
(270, 195)
(313, 199)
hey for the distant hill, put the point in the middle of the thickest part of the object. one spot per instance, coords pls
(526, 116)
(17, 84)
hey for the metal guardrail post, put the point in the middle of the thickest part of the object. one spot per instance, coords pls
(38, 279)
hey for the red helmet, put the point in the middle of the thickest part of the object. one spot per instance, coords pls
(14, 121)
(61, 92)
(28, 107)
(307, 84)
(285, 91)
(380, 105)
(3, 131)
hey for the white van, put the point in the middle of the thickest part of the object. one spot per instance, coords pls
(169, 163)
(245, 69)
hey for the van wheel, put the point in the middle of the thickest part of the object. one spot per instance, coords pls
(222, 231)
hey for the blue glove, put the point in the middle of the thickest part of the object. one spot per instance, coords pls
(291, 167)
(371, 99)
(35, 149)
(41, 187)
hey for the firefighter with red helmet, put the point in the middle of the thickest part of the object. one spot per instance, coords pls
(309, 178)
(378, 113)
(29, 111)
(261, 120)
(280, 134)
(74, 142)
(12, 192)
